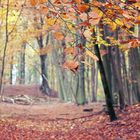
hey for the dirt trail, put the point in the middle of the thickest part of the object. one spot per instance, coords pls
(53, 120)
(51, 111)
(51, 107)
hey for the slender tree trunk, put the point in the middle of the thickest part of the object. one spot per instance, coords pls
(5, 46)
(11, 70)
(94, 75)
(22, 65)
(108, 96)
(61, 81)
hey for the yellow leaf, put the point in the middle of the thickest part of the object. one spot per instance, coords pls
(112, 26)
(92, 55)
(50, 21)
(119, 22)
(137, 5)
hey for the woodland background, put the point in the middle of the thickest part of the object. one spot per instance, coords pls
(79, 51)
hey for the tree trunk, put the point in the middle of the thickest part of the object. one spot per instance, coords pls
(22, 65)
(11, 70)
(81, 97)
(44, 86)
(134, 74)
(109, 100)
(116, 68)
(94, 75)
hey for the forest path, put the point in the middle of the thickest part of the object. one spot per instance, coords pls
(42, 104)
(54, 120)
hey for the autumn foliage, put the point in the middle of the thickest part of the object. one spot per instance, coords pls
(86, 18)
(61, 37)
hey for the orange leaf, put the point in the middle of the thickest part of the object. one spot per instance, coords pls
(137, 20)
(83, 7)
(42, 1)
(58, 35)
(45, 50)
(77, 1)
(55, 27)
(134, 44)
(85, 23)
(71, 65)
(70, 50)
(43, 9)
(57, 2)
(33, 2)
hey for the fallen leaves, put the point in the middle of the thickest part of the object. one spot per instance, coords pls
(93, 127)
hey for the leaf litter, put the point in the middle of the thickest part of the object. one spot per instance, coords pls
(70, 126)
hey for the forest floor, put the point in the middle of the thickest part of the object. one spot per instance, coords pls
(52, 120)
